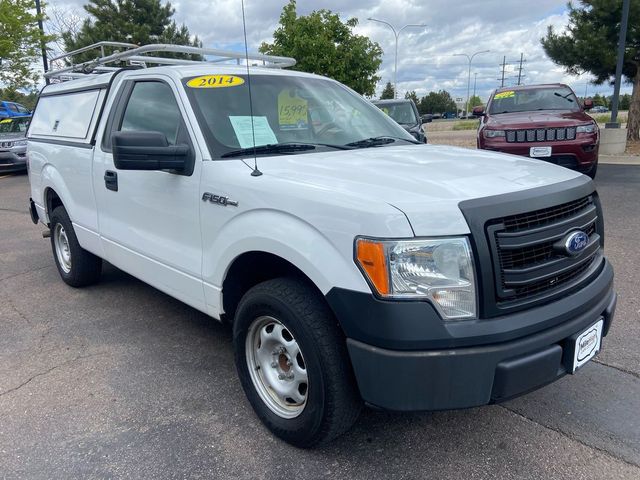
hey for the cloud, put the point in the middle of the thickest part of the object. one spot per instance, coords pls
(425, 62)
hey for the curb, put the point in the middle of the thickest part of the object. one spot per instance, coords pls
(619, 159)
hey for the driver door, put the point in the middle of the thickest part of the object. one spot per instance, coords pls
(149, 220)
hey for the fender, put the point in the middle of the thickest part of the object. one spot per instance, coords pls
(283, 235)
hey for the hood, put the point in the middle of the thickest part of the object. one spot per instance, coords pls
(10, 136)
(538, 119)
(425, 182)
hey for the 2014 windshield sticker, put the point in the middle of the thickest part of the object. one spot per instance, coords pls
(215, 81)
(507, 94)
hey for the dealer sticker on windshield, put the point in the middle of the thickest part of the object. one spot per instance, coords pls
(587, 345)
(215, 81)
(506, 94)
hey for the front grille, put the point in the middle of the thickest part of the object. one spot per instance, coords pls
(540, 134)
(529, 259)
(525, 221)
(6, 144)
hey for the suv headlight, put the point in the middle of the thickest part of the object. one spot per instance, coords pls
(19, 143)
(437, 269)
(589, 128)
(488, 133)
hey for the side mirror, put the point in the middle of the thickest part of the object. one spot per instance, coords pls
(588, 104)
(147, 151)
(478, 111)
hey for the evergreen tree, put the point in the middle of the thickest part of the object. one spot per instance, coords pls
(590, 45)
(387, 92)
(140, 22)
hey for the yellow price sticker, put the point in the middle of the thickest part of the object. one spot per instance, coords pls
(215, 81)
(6, 120)
(507, 94)
(385, 110)
(292, 112)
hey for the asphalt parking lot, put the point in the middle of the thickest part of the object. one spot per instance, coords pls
(119, 380)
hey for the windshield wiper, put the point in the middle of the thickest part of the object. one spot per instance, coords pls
(564, 96)
(378, 141)
(279, 148)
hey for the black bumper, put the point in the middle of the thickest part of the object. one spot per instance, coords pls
(499, 358)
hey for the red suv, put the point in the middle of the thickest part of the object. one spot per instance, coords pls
(541, 121)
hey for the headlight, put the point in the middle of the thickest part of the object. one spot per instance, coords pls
(493, 133)
(19, 143)
(438, 269)
(589, 128)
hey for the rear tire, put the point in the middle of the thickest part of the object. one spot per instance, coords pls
(293, 363)
(77, 267)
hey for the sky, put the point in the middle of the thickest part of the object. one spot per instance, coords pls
(426, 55)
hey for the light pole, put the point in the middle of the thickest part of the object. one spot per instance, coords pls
(397, 34)
(470, 58)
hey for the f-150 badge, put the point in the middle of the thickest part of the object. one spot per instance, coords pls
(218, 199)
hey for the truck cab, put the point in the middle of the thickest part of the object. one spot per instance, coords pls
(355, 265)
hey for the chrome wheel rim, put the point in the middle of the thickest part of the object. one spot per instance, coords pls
(63, 251)
(276, 366)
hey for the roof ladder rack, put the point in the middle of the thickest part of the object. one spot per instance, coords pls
(143, 55)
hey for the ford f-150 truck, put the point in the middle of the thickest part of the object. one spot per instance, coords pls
(355, 265)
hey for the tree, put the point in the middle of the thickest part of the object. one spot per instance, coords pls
(412, 96)
(20, 43)
(437, 102)
(474, 101)
(321, 43)
(387, 92)
(133, 21)
(590, 44)
(625, 101)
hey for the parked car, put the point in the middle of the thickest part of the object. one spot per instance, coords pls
(12, 109)
(354, 265)
(13, 144)
(599, 109)
(427, 118)
(449, 115)
(545, 122)
(406, 114)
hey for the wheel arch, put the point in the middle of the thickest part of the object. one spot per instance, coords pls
(251, 268)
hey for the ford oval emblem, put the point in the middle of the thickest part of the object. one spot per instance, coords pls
(575, 242)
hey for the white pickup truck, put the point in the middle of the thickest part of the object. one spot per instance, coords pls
(354, 265)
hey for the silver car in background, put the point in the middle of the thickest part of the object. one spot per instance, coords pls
(13, 144)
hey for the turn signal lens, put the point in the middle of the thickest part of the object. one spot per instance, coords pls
(373, 260)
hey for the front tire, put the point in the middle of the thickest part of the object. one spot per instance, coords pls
(76, 266)
(293, 364)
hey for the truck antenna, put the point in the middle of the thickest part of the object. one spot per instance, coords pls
(255, 172)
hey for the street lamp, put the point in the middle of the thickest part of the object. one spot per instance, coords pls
(397, 34)
(470, 58)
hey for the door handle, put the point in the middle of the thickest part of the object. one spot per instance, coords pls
(111, 180)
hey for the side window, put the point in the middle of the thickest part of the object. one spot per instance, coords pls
(13, 107)
(22, 109)
(152, 107)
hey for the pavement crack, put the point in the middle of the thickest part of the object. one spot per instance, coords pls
(24, 273)
(620, 369)
(572, 437)
(13, 210)
(48, 371)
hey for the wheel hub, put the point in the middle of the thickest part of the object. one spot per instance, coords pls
(277, 367)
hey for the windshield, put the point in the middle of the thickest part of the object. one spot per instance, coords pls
(557, 98)
(318, 113)
(14, 125)
(402, 113)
